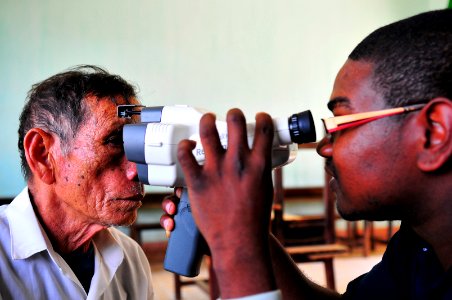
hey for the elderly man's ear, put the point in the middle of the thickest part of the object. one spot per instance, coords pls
(436, 121)
(37, 144)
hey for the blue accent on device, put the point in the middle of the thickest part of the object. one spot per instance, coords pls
(186, 245)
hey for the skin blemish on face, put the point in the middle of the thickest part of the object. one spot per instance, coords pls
(97, 171)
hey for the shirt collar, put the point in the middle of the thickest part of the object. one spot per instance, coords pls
(27, 235)
(110, 250)
(28, 238)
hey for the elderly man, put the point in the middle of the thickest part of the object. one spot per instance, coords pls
(56, 239)
(389, 150)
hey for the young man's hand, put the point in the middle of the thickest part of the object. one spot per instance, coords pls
(231, 196)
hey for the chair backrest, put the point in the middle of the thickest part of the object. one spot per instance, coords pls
(299, 230)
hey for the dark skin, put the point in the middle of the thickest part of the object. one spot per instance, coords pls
(408, 176)
(89, 188)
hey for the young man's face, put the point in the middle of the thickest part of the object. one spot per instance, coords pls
(367, 162)
(94, 179)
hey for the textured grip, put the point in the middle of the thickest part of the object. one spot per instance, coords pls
(186, 245)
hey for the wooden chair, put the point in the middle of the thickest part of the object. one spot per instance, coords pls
(366, 238)
(207, 285)
(307, 238)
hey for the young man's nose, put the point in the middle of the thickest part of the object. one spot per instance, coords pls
(325, 147)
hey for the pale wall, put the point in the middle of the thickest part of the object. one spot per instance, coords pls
(260, 55)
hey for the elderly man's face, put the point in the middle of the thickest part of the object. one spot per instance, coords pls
(94, 178)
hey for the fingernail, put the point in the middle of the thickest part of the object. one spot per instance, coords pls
(165, 224)
(169, 206)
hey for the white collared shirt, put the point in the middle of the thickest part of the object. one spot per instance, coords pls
(31, 269)
(271, 295)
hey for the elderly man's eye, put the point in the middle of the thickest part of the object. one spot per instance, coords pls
(115, 140)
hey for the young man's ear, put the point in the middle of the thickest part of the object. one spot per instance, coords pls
(437, 123)
(37, 145)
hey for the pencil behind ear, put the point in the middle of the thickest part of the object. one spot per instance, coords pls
(37, 144)
(436, 152)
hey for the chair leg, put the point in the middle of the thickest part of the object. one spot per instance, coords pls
(350, 239)
(177, 287)
(373, 239)
(367, 236)
(329, 272)
(389, 231)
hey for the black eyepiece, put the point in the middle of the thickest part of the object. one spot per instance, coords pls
(302, 128)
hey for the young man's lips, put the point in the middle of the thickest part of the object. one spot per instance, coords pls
(333, 184)
(330, 168)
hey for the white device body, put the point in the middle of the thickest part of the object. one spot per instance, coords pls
(182, 122)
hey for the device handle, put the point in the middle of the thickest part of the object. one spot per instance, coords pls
(186, 245)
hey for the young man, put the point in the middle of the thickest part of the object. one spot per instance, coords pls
(55, 237)
(394, 165)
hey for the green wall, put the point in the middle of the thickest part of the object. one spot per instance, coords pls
(260, 55)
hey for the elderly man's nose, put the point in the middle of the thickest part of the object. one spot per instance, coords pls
(131, 171)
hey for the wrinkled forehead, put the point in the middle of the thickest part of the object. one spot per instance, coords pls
(116, 100)
(105, 109)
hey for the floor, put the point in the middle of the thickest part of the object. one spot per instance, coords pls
(347, 267)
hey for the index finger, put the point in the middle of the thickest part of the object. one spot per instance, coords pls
(187, 161)
(210, 139)
(263, 136)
